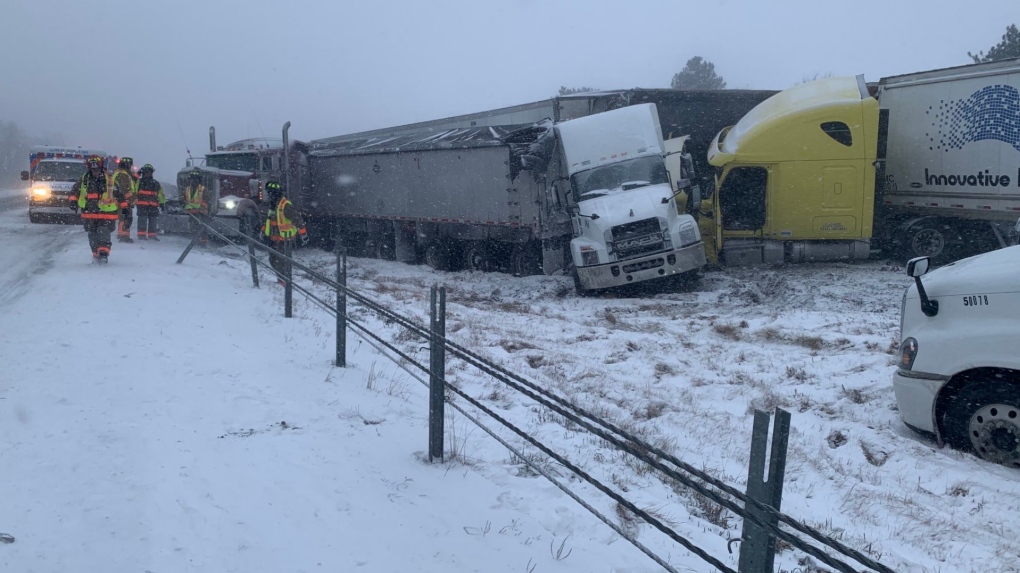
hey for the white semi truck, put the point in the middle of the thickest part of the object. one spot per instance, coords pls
(958, 377)
(591, 196)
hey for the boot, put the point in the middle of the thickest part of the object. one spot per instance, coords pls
(142, 238)
(125, 239)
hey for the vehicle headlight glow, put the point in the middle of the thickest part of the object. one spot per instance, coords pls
(41, 192)
(229, 204)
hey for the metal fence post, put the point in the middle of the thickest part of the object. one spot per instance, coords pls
(757, 547)
(288, 291)
(254, 265)
(437, 369)
(191, 245)
(341, 307)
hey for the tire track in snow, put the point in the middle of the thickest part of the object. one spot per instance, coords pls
(17, 273)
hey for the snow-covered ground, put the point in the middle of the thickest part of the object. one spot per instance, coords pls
(161, 417)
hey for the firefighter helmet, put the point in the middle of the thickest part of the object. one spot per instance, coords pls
(195, 174)
(94, 162)
(125, 163)
(274, 186)
(147, 168)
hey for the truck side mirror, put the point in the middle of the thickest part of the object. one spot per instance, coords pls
(24, 177)
(695, 200)
(916, 268)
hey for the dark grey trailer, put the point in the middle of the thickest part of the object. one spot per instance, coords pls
(454, 198)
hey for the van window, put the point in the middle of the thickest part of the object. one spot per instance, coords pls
(838, 131)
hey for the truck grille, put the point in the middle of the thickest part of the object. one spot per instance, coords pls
(637, 238)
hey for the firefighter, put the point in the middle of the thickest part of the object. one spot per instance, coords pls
(195, 203)
(150, 201)
(283, 225)
(98, 200)
(126, 183)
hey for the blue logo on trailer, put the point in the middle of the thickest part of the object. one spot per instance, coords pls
(992, 112)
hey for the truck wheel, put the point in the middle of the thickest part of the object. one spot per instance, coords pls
(35, 218)
(931, 238)
(436, 256)
(384, 250)
(477, 258)
(524, 261)
(986, 420)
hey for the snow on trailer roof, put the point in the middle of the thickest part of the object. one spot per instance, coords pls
(253, 144)
(425, 140)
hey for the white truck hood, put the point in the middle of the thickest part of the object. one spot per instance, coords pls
(994, 272)
(618, 206)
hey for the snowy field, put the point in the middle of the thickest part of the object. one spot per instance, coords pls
(160, 417)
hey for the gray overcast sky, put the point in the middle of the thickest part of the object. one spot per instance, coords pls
(142, 78)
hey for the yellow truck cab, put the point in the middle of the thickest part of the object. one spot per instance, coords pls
(795, 177)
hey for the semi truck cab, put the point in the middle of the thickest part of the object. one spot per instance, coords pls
(627, 227)
(796, 176)
(958, 377)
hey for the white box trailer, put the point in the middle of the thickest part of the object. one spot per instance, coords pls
(949, 157)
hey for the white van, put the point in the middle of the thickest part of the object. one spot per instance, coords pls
(958, 377)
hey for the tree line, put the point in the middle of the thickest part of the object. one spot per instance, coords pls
(699, 73)
(14, 147)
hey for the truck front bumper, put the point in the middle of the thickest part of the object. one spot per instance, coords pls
(630, 271)
(915, 398)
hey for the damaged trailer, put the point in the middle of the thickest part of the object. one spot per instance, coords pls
(590, 196)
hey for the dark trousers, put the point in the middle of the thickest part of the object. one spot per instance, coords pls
(99, 231)
(126, 218)
(148, 221)
(278, 262)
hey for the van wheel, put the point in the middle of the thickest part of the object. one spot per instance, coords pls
(985, 419)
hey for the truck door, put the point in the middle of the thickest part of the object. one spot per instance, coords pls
(742, 199)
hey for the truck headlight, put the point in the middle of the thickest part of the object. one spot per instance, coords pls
(589, 258)
(229, 204)
(688, 234)
(41, 192)
(908, 352)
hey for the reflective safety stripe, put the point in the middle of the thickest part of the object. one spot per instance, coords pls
(279, 227)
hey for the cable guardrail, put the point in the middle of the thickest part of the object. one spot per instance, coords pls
(604, 429)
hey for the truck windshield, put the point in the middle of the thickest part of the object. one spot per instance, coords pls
(602, 180)
(234, 161)
(58, 171)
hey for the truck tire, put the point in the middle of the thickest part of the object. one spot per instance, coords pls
(384, 249)
(477, 257)
(985, 419)
(931, 238)
(524, 260)
(437, 256)
(35, 217)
